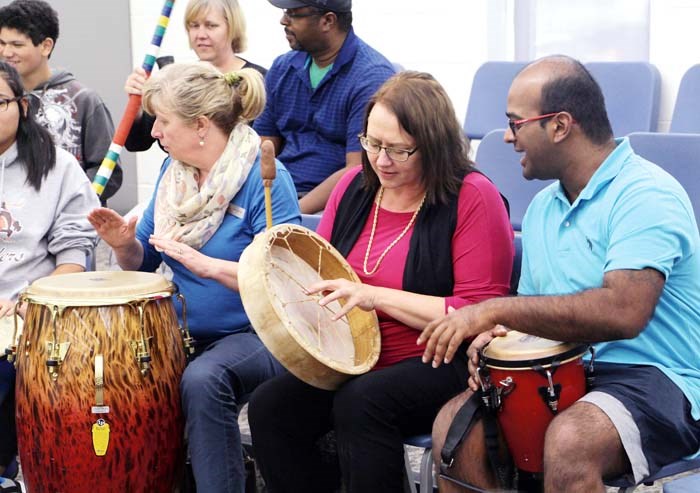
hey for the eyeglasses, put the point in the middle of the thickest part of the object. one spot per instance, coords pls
(5, 103)
(516, 124)
(398, 155)
(294, 15)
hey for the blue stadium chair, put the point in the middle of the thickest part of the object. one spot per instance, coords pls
(688, 484)
(486, 110)
(686, 112)
(631, 91)
(310, 221)
(501, 164)
(425, 474)
(677, 154)
(678, 467)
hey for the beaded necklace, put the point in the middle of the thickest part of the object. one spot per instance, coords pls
(393, 243)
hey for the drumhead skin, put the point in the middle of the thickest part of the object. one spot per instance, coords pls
(273, 272)
(97, 288)
(517, 350)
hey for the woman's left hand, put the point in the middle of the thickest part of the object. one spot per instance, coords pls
(193, 260)
(355, 294)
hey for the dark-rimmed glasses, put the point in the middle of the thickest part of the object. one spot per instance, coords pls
(398, 155)
(5, 103)
(294, 15)
(516, 124)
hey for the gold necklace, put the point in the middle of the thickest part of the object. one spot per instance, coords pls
(393, 243)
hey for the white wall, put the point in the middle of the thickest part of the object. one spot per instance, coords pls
(448, 38)
(444, 37)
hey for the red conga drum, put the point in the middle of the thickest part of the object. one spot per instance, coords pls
(98, 372)
(534, 378)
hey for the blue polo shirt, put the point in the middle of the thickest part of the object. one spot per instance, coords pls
(213, 310)
(319, 126)
(631, 215)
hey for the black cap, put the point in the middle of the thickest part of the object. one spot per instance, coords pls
(332, 5)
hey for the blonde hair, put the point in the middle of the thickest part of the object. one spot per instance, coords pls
(191, 90)
(232, 12)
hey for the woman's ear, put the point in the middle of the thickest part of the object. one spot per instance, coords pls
(202, 124)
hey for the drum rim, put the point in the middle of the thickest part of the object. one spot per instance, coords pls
(545, 361)
(293, 332)
(164, 288)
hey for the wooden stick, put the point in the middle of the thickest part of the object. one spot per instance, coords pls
(268, 172)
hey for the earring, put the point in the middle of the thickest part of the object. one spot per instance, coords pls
(201, 143)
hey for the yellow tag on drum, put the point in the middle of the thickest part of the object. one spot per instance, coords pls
(100, 437)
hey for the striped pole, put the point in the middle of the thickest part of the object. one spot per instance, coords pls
(132, 108)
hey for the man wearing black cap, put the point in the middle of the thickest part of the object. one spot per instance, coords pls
(316, 96)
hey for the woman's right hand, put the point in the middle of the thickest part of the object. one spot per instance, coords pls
(134, 83)
(112, 227)
(474, 350)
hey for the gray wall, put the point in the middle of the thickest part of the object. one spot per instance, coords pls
(95, 45)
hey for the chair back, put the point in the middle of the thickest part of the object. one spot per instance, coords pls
(631, 91)
(310, 221)
(486, 109)
(499, 161)
(686, 112)
(677, 154)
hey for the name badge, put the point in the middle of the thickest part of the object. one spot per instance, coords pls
(236, 210)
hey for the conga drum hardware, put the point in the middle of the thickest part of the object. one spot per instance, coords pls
(11, 349)
(274, 273)
(187, 339)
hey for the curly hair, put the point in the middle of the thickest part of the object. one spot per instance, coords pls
(34, 18)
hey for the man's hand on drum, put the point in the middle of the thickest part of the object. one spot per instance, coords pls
(196, 262)
(443, 336)
(475, 348)
(355, 294)
(134, 83)
(112, 227)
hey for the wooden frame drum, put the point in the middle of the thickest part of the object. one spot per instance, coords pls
(273, 272)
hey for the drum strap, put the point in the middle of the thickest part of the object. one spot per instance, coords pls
(470, 412)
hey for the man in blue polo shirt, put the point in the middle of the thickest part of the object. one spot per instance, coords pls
(610, 257)
(316, 96)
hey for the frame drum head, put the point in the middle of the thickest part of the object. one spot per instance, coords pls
(273, 272)
(517, 350)
(96, 288)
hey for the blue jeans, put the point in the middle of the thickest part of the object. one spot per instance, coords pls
(8, 432)
(214, 386)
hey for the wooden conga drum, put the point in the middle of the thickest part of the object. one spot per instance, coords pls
(98, 373)
(273, 272)
(535, 378)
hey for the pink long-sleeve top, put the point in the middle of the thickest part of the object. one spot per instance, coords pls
(482, 248)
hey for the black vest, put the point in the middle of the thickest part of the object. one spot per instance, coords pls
(428, 267)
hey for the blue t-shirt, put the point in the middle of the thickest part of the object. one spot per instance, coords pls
(319, 126)
(631, 215)
(213, 310)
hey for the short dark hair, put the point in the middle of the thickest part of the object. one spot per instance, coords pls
(575, 91)
(35, 149)
(344, 20)
(425, 112)
(34, 18)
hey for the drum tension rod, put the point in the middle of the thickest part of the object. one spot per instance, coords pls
(141, 347)
(11, 350)
(187, 339)
(56, 350)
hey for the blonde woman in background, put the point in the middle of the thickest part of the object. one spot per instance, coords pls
(217, 33)
(208, 205)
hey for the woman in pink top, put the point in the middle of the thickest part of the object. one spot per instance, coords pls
(425, 233)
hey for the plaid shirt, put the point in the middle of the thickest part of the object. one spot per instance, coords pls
(320, 126)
